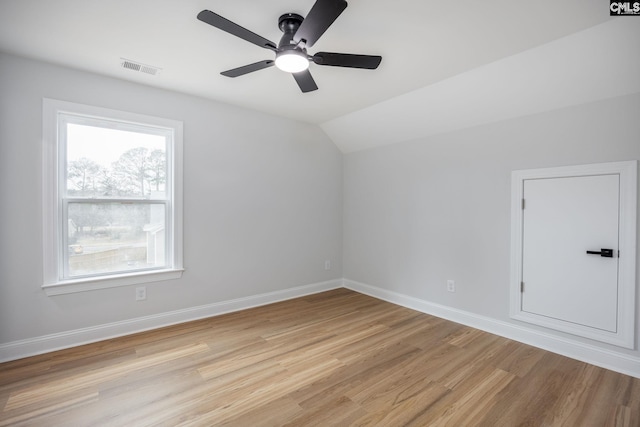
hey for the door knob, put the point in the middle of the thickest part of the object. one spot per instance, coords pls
(606, 253)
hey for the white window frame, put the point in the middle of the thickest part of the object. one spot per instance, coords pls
(54, 282)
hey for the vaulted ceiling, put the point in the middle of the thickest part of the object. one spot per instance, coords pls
(438, 56)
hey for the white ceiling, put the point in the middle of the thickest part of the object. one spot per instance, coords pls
(424, 44)
(586, 66)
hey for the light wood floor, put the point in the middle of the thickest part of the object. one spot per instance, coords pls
(336, 358)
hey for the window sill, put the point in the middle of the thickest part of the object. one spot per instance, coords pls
(94, 283)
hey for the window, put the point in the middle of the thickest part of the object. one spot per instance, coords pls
(112, 198)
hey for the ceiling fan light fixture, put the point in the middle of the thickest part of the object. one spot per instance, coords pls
(292, 61)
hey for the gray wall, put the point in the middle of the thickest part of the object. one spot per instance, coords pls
(421, 212)
(262, 202)
(266, 202)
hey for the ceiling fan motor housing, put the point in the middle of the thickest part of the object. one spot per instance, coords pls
(288, 24)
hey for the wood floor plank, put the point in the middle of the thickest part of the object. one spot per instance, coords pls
(35, 394)
(517, 358)
(470, 403)
(334, 358)
(334, 412)
(405, 408)
(353, 376)
(42, 414)
(280, 412)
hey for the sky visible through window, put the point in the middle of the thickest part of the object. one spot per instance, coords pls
(105, 146)
(107, 162)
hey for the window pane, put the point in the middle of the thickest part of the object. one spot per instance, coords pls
(115, 237)
(114, 163)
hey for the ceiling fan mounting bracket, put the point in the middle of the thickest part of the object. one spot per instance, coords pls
(289, 22)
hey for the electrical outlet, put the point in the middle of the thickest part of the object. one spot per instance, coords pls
(451, 285)
(327, 265)
(141, 293)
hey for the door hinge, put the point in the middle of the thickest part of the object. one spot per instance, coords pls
(521, 286)
(522, 204)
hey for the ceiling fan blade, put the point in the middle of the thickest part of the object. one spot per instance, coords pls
(320, 17)
(347, 60)
(241, 71)
(305, 81)
(232, 28)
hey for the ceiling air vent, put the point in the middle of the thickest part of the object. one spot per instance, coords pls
(136, 66)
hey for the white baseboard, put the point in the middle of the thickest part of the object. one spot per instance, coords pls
(608, 359)
(44, 344)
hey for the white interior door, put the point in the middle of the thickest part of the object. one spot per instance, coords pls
(563, 219)
(558, 215)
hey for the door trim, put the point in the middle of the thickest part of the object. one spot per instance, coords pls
(625, 334)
